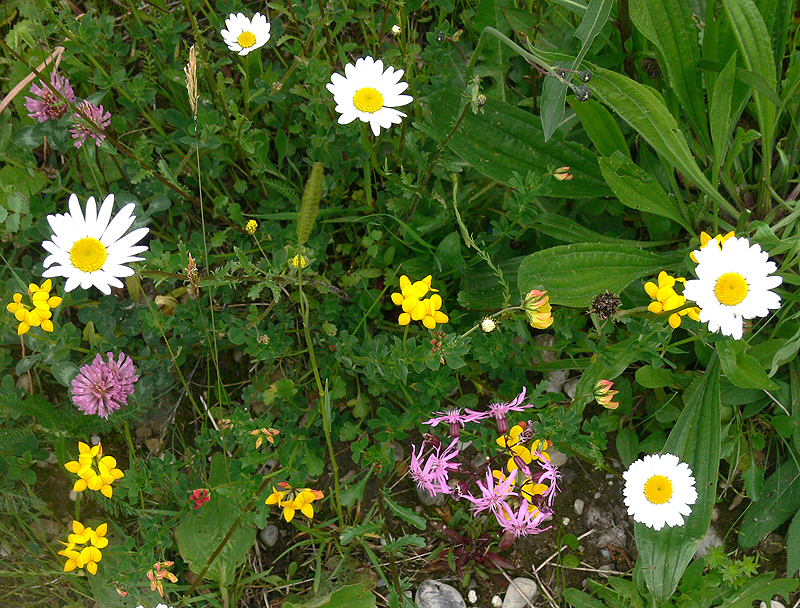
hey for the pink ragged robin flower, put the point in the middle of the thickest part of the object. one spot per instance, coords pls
(494, 492)
(454, 418)
(47, 105)
(499, 409)
(82, 128)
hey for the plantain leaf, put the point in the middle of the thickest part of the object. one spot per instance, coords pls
(695, 439)
(504, 140)
(755, 48)
(781, 501)
(721, 112)
(572, 274)
(644, 109)
(742, 369)
(569, 231)
(600, 126)
(637, 189)
(669, 26)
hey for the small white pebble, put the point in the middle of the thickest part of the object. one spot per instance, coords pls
(597, 495)
(715, 514)
(565, 521)
(611, 482)
(472, 596)
(73, 495)
(497, 601)
(578, 506)
(95, 439)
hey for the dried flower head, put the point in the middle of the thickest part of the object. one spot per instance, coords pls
(191, 79)
(605, 305)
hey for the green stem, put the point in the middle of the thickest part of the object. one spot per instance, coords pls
(368, 167)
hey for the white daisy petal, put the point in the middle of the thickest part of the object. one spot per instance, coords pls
(243, 35)
(369, 93)
(659, 491)
(93, 250)
(733, 283)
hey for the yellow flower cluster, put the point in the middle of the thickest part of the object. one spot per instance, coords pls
(292, 500)
(538, 310)
(41, 304)
(299, 261)
(511, 442)
(705, 239)
(79, 556)
(97, 480)
(416, 307)
(250, 227)
(665, 298)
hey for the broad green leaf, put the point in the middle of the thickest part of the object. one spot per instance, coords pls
(746, 77)
(644, 109)
(695, 439)
(572, 274)
(669, 25)
(349, 596)
(494, 59)
(600, 126)
(793, 546)
(721, 113)
(740, 368)
(653, 377)
(607, 365)
(781, 501)
(637, 189)
(627, 445)
(200, 532)
(763, 588)
(504, 139)
(564, 229)
(576, 6)
(554, 92)
(755, 47)
(554, 98)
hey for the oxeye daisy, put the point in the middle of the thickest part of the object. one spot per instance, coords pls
(243, 35)
(92, 250)
(369, 93)
(733, 283)
(659, 490)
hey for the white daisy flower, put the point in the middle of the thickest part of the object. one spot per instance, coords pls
(243, 35)
(658, 490)
(369, 93)
(733, 283)
(94, 249)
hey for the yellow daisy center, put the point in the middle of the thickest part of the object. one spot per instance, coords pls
(88, 254)
(368, 100)
(246, 39)
(731, 289)
(658, 489)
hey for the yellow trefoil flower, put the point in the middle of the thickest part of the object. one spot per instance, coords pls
(251, 227)
(706, 238)
(416, 307)
(298, 261)
(604, 395)
(97, 480)
(261, 433)
(41, 303)
(292, 500)
(665, 298)
(88, 556)
(538, 310)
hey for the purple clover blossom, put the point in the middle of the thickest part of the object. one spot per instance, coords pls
(499, 410)
(454, 417)
(432, 476)
(82, 129)
(523, 522)
(46, 105)
(103, 387)
(493, 495)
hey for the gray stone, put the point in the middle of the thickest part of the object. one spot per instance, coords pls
(433, 594)
(571, 387)
(606, 530)
(520, 592)
(557, 459)
(711, 539)
(269, 535)
(497, 601)
(555, 380)
(472, 596)
(431, 500)
(578, 506)
(546, 341)
(772, 604)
